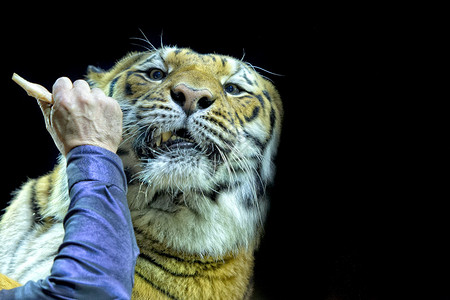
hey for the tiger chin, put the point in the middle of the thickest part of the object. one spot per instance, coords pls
(199, 138)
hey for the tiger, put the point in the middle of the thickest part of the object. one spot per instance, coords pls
(200, 135)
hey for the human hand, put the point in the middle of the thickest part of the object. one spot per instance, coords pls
(81, 116)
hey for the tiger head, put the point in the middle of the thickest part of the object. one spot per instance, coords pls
(200, 135)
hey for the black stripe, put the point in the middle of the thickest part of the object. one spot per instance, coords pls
(153, 262)
(254, 114)
(250, 202)
(219, 124)
(261, 100)
(150, 59)
(35, 206)
(128, 90)
(112, 85)
(177, 258)
(224, 61)
(155, 286)
(214, 133)
(247, 80)
(239, 118)
(142, 77)
(257, 142)
(122, 151)
(273, 118)
(266, 93)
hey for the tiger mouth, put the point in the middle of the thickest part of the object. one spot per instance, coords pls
(173, 139)
(153, 144)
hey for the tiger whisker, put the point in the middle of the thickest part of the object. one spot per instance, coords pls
(145, 47)
(146, 40)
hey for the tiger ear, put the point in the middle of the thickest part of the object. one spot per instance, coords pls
(94, 75)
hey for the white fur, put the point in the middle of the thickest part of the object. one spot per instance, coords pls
(22, 242)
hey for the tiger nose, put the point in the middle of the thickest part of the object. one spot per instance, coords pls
(191, 99)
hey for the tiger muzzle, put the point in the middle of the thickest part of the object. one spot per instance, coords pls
(191, 99)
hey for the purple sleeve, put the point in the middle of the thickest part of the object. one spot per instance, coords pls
(97, 257)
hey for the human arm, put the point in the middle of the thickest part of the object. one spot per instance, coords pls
(99, 250)
(97, 257)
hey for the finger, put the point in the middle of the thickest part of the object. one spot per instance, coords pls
(82, 92)
(62, 84)
(61, 87)
(96, 92)
(82, 85)
(99, 96)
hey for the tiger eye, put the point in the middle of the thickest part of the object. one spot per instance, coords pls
(156, 74)
(232, 89)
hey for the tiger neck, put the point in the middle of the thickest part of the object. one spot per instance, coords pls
(162, 273)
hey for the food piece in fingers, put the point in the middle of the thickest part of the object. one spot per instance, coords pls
(34, 90)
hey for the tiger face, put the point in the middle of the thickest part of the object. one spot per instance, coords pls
(200, 135)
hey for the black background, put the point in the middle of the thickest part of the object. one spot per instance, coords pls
(348, 219)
